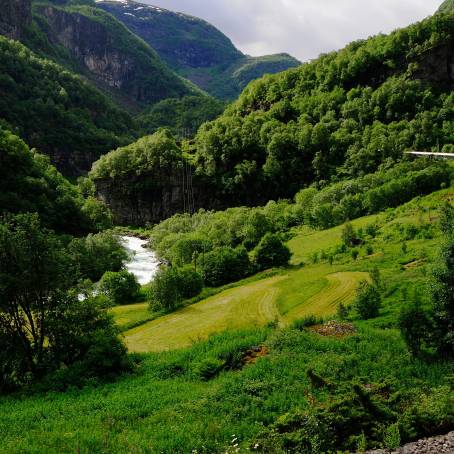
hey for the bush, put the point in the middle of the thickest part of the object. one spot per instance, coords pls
(208, 368)
(271, 252)
(190, 283)
(368, 301)
(224, 265)
(172, 285)
(120, 288)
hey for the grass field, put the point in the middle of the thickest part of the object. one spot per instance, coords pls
(309, 289)
(166, 407)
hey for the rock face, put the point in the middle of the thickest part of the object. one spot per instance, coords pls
(15, 15)
(151, 199)
(110, 54)
(437, 66)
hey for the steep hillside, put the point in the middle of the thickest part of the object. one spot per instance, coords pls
(341, 116)
(15, 15)
(57, 112)
(195, 49)
(29, 183)
(447, 7)
(102, 49)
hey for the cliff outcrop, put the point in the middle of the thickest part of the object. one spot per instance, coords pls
(15, 15)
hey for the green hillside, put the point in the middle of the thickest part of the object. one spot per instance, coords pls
(95, 44)
(447, 7)
(342, 115)
(195, 49)
(56, 111)
(238, 389)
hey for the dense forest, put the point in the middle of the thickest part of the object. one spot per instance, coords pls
(342, 116)
(57, 112)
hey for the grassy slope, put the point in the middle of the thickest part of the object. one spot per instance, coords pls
(314, 289)
(166, 408)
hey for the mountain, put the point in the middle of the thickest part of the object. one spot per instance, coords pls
(341, 116)
(56, 111)
(93, 43)
(15, 15)
(447, 7)
(196, 49)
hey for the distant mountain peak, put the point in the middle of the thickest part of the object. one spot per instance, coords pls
(194, 48)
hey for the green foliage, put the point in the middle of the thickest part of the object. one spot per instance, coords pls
(368, 301)
(29, 183)
(119, 287)
(208, 368)
(96, 254)
(156, 152)
(40, 312)
(443, 288)
(172, 285)
(345, 114)
(224, 265)
(271, 252)
(447, 7)
(36, 95)
(182, 117)
(306, 322)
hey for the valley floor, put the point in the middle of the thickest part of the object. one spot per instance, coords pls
(212, 395)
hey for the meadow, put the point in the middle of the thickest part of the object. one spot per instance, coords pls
(198, 389)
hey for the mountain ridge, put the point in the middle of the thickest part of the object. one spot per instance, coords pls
(195, 48)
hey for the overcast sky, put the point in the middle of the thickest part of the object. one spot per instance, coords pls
(303, 28)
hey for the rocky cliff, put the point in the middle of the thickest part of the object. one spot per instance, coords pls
(111, 56)
(140, 200)
(15, 15)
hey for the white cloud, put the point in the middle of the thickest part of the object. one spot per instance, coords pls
(303, 28)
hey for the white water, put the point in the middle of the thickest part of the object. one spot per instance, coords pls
(143, 262)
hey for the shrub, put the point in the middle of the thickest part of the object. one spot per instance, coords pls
(190, 283)
(368, 301)
(172, 285)
(271, 252)
(415, 326)
(208, 368)
(120, 288)
(224, 265)
(355, 254)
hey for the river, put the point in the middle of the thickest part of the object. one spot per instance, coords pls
(143, 263)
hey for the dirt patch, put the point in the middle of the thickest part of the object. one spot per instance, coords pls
(334, 329)
(254, 353)
(415, 264)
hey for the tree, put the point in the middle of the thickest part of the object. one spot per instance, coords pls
(368, 301)
(348, 235)
(172, 285)
(224, 265)
(120, 287)
(442, 288)
(271, 252)
(415, 326)
(36, 303)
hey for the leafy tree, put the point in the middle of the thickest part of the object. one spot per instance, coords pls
(36, 275)
(368, 301)
(349, 235)
(120, 287)
(443, 288)
(415, 326)
(224, 265)
(271, 252)
(172, 285)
